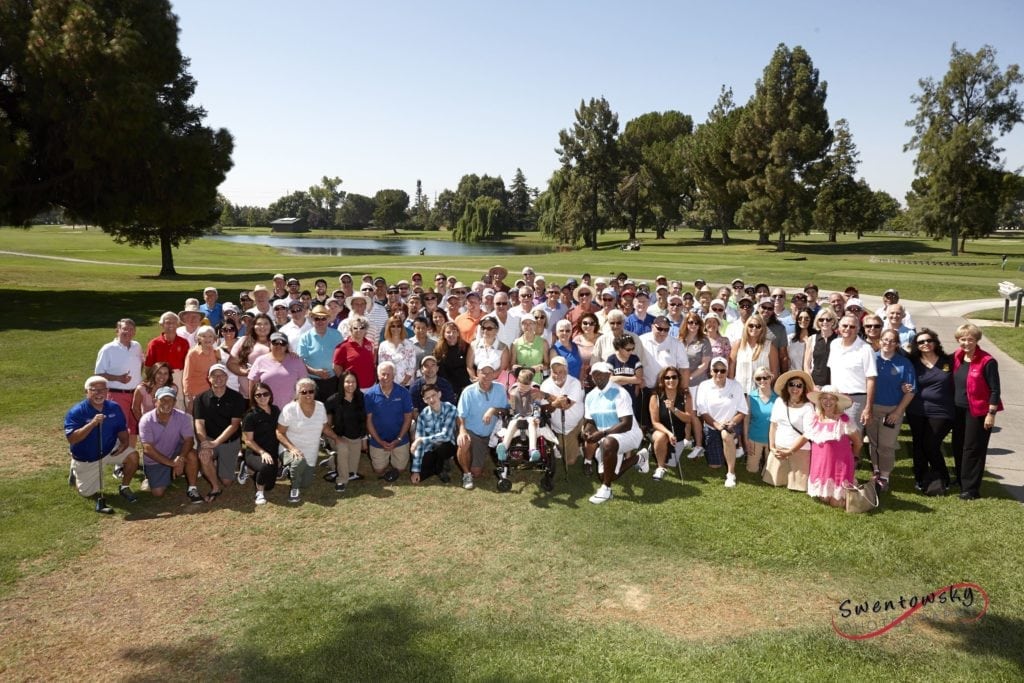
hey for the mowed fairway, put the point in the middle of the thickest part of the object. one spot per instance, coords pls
(669, 581)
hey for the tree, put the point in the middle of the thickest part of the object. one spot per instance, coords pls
(390, 206)
(655, 181)
(443, 214)
(519, 203)
(838, 206)
(95, 117)
(958, 189)
(298, 204)
(325, 198)
(483, 219)
(1011, 205)
(717, 178)
(356, 211)
(420, 213)
(781, 140)
(590, 159)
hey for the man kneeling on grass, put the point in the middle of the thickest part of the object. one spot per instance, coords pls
(98, 435)
(167, 436)
(611, 430)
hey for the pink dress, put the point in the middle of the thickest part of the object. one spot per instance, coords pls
(832, 463)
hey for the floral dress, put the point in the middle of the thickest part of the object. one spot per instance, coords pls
(832, 462)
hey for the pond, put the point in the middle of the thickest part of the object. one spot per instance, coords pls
(340, 246)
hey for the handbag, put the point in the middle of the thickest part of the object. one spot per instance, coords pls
(776, 470)
(862, 498)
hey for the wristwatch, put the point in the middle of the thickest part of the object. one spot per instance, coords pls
(992, 412)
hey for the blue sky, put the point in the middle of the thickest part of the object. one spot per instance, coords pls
(384, 93)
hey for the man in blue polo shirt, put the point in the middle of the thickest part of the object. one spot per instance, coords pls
(97, 434)
(316, 348)
(388, 419)
(479, 405)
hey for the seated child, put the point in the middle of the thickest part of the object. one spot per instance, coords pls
(524, 407)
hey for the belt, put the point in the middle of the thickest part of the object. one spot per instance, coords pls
(121, 391)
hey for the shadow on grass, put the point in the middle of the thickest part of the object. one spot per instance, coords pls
(994, 635)
(867, 247)
(387, 642)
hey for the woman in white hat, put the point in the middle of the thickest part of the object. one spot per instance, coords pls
(790, 419)
(834, 440)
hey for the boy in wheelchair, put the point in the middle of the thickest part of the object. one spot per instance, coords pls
(524, 398)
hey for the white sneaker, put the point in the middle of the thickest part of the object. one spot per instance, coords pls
(260, 498)
(659, 473)
(293, 496)
(243, 473)
(696, 453)
(730, 481)
(643, 462)
(687, 444)
(467, 481)
(740, 452)
(603, 495)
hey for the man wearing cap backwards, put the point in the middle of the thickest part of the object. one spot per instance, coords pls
(97, 435)
(120, 363)
(169, 348)
(565, 397)
(479, 405)
(467, 322)
(167, 434)
(218, 413)
(211, 308)
(611, 430)
(891, 297)
(316, 349)
(296, 326)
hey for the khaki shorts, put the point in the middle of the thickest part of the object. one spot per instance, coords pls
(398, 458)
(89, 475)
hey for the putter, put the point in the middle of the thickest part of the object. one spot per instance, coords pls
(561, 443)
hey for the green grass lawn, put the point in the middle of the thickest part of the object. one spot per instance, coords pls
(669, 581)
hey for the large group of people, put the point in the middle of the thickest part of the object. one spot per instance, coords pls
(425, 377)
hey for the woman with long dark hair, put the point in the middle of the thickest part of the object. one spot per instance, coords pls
(930, 414)
(451, 352)
(259, 436)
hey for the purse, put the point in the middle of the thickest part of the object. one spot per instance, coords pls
(862, 498)
(776, 471)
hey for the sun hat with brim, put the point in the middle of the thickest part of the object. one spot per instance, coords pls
(191, 306)
(499, 272)
(780, 383)
(842, 399)
(348, 301)
(320, 309)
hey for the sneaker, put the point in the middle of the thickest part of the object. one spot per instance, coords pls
(102, 507)
(696, 453)
(339, 487)
(127, 494)
(883, 485)
(740, 452)
(467, 481)
(588, 467)
(445, 475)
(355, 476)
(643, 462)
(193, 495)
(261, 498)
(730, 481)
(659, 473)
(71, 475)
(243, 473)
(391, 475)
(283, 472)
(118, 472)
(144, 486)
(535, 455)
(293, 496)
(687, 444)
(603, 495)
(331, 475)
(502, 452)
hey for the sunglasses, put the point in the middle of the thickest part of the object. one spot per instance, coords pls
(778, 296)
(871, 326)
(688, 322)
(754, 327)
(795, 385)
(228, 329)
(488, 328)
(359, 327)
(261, 394)
(319, 319)
(719, 371)
(278, 343)
(587, 323)
(718, 310)
(659, 328)
(671, 377)
(925, 341)
(501, 303)
(307, 392)
(675, 303)
(762, 379)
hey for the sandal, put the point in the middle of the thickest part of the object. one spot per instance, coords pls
(212, 495)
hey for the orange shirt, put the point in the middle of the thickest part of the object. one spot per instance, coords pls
(195, 379)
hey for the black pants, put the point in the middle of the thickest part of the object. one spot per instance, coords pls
(928, 434)
(435, 458)
(264, 474)
(970, 447)
(325, 388)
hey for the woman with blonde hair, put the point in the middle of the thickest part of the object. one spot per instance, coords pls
(817, 347)
(198, 361)
(397, 348)
(753, 350)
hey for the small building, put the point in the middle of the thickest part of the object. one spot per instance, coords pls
(289, 225)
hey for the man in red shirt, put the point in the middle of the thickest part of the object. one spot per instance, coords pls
(170, 348)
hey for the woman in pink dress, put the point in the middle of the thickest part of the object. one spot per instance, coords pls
(834, 440)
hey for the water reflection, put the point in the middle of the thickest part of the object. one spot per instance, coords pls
(340, 246)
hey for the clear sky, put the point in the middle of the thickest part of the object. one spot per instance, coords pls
(384, 92)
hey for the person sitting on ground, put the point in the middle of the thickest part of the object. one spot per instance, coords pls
(97, 434)
(434, 446)
(167, 436)
(478, 407)
(524, 413)
(218, 414)
(610, 428)
(259, 434)
(669, 417)
(299, 428)
(722, 406)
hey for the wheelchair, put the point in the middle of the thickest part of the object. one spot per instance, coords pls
(518, 456)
